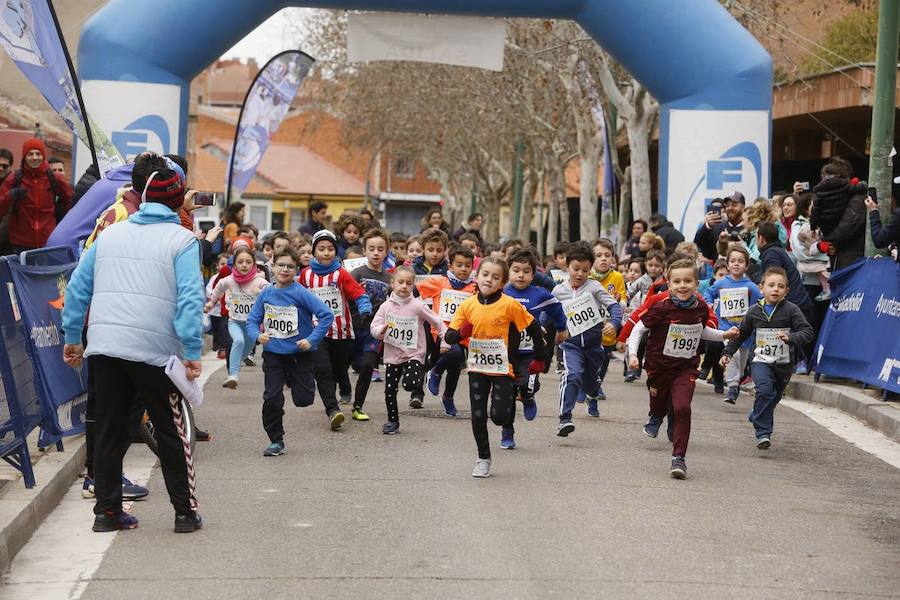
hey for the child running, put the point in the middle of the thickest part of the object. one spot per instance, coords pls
(675, 324)
(735, 294)
(779, 329)
(286, 310)
(545, 308)
(591, 314)
(614, 283)
(241, 289)
(493, 322)
(327, 279)
(399, 322)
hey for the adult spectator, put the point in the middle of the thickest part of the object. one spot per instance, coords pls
(761, 211)
(132, 335)
(884, 235)
(434, 219)
(773, 254)
(6, 161)
(232, 221)
(35, 198)
(368, 218)
(318, 214)
(90, 176)
(715, 228)
(57, 166)
(630, 249)
(789, 216)
(839, 213)
(664, 228)
(473, 226)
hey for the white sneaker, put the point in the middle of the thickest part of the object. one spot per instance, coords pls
(231, 382)
(249, 361)
(482, 468)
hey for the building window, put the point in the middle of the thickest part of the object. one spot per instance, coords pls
(298, 217)
(405, 167)
(259, 216)
(278, 221)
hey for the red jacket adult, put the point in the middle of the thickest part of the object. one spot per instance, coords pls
(33, 212)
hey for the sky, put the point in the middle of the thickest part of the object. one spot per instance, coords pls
(268, 39)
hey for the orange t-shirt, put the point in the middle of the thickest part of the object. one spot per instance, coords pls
(492, 321)
(438, 292)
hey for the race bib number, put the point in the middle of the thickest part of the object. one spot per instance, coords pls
(526, 343)
(402, 332)
(281, 322)
(331, 296)
(450, 301)
(239, 305)
(770, 348)
(582, 313)
(559, 276)
(350, 264)
(682, 341)
(734, 302)
(488, 356)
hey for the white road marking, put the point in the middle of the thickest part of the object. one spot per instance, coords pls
(63, 554)
(850, 429)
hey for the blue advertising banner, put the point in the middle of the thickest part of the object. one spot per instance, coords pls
(31, 37)
(265, 106)
(40, 291)
(860, 338)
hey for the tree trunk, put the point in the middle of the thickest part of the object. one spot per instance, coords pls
(590, 162)
(639, 144)
(625, 208)
(557, 199)
(529, 191)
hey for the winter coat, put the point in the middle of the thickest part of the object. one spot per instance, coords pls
(885, 235)
(773, 255)
(33, 208)
(839, 212)
(406, 307)
(671, 236)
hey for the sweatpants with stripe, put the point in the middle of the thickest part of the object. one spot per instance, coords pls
(117, 384)
(582, 365)
(500, 391)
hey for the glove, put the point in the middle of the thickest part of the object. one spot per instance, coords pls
(535, 367)
(465, 331)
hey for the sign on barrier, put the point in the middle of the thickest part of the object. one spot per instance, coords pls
(860, 338)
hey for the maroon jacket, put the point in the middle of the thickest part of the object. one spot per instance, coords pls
(33, 217)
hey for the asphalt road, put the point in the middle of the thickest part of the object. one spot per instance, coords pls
(357, 514)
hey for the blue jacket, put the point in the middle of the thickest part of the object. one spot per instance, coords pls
(714, 291)
(308, 305)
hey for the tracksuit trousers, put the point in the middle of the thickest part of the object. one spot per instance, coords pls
(582, 364)
(330, 360)
(293, 370)
(671, 393)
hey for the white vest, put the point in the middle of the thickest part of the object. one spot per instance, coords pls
(135, 294)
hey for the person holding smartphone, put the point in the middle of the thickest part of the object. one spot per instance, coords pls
(719, 225)
(883, 235)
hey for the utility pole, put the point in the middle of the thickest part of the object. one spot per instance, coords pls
(882, 138)
(518, 186)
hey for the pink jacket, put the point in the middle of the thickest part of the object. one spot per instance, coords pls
(228, 284)
(405, 307)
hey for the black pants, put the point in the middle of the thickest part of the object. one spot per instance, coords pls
(293, 370)
(220, 337)
(410, 374)
(501, 389)
(117, 383)
(330, 360)
(711, 356)
(451, 362)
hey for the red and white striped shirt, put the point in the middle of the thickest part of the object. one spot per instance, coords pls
(337, 290)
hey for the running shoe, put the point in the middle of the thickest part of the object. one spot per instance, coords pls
(203, 436)
(679, 468)
(630, 377)
(823, 296)
(651, 428)
(391, 428)
(560, 368)
(114, 520)
(600, 395)
(188, 523)
(249, 361)
(802, 368)
(434, 382)
(376, 376)
(565, 428)
(359, 415)
(449, 406)
(733, 393)
(720, 388)
(231, 382)
(482, 468)
(592, 409)
(529, 409)
(507, 439)
(336, 419)
(87, 490)
(130, 491)
(346, 399)
(415, 402)
(221, 355)
(763, 442)
(274, 449)
(747, 380)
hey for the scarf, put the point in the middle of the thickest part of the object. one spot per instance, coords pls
(243, 280)
(322, 270)
(685, 304)
(458, 283)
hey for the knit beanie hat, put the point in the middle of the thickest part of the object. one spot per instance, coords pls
(241, 241)
(165, 187)
(324, 236)
(34, 144)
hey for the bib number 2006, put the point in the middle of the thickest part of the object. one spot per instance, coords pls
(281, 322)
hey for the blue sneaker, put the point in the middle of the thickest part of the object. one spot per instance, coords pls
(733, 393)
(449, 405)
(651, 428)
(390, 427)
(592, 409)
(434, 382)
(529, 409)
(802, 368)
(112, 520)
(600, 394)
(130, 491)
(274, 449)
(507, 441)
(87, 490)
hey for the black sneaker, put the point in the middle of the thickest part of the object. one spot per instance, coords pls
(565, 428)
(114, 520)
(679, 468)
(415, 403)
(763, 442)
(391, 428)
(720, 388)
(188, 523)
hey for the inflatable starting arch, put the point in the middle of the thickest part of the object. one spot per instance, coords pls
(711, 77)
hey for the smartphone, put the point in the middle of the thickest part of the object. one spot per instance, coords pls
(873, 194)
(204, 199)
(804, 185)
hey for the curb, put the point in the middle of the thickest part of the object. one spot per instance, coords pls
(882, 416)
(22, 510)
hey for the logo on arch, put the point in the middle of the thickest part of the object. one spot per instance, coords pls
(148, 133)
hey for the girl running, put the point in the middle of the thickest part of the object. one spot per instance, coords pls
(493, 322)
(240, 289)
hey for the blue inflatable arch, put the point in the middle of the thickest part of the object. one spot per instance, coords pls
(136, 61)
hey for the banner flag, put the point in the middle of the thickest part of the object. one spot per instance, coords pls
(30, 34)
(265, 106)
(40, 291)
(860, 338)
(447, 40)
